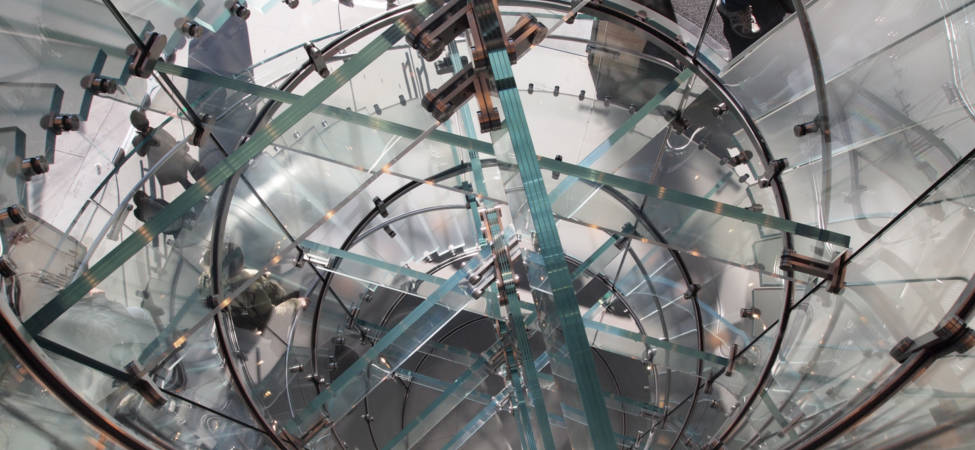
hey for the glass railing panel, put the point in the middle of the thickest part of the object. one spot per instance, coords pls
(207, 427)
(162, 290)
(164, 15)
(33, 418)
(932, 410)
(59, 44)
(13, 184)
(783, 76)
(389, 352)
(837, 347)
(21, 107)
(43, 259)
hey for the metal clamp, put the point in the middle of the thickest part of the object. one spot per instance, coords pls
(503, 273)
(143, 63)
(775, 167)
(141, 384)
(36, 165)
(238, 8)
(380, 206)
(557, 174)
(526, 33)
(430, 35)
(834, 272)
(737, 160)
(951, 331)
(468, 82)
(317, 58)
(189, 27)
(750, 313)
(203, 130)
(803, 129)
(59, 123)
(98, 84)
(14, 214)
(719, 109)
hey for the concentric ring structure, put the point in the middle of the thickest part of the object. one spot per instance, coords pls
(677, 224)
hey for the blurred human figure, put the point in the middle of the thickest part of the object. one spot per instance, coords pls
(252, 309)
(745, 21)
(147, 207)
(155, 145)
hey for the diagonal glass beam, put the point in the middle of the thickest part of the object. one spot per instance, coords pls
(693, 201)
(215, 177)
(331, 111)
(555, 294)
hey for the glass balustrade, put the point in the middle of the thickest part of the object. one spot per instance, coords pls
(657, 224)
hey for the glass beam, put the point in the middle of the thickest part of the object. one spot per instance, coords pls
(550, 279)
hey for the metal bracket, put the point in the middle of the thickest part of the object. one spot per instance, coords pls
(317, 58)
(143, 63)
(380, 206)
(803, 129)
(775, 167)
(737, 160)
(98, 84)
(526, 33)
(203, 130)
(36, 165)
(189, 27)
(60, 123)
(444, 101)
(622, 240)
(750, 313)
(719, 109)
(952, 331)
(14, 214)
(238, 8)
(430, 35)
(834, 272)
(556, 174)
(141, 384)
(439, 257)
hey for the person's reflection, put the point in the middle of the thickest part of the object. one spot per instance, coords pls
(252, 309)
(745, 21)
